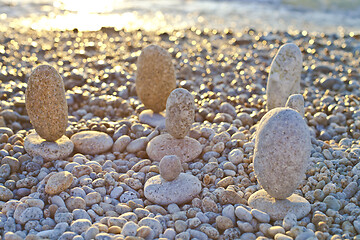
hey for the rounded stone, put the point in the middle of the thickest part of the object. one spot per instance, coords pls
(35, 145)
(58, 182)
(81, 225)
(285, 75)
(155, 77)
(180, 113)
(181, 190)
(46, 103)
(278, 208)
(282, 150)
(296, 102)
(92, 142)
(186, 149)
(5, 194)
(170, 167)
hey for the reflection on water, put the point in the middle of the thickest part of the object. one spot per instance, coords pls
(266, 15)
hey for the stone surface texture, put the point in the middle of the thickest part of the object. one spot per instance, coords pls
(35, 145)
(180, 112)
(155, 78)
(284, 77)
(46, 103)
(282, 150)
(58, 182)
(186, 149)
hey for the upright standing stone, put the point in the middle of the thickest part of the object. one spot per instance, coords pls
(46, 103)
(155, 77)
(180, 112)
(284, 77)
(282, 150)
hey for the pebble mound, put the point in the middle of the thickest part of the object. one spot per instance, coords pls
(186, 149)
(181, 190)
(46, 104)
(92, 142)
(282, 151)
(35, 145)
(285, 75)
(155, 77)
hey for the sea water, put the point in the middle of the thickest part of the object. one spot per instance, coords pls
(265, 15)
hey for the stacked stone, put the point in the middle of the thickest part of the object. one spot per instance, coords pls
(48, 112)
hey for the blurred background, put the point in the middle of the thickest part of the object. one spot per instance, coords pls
(265, 15)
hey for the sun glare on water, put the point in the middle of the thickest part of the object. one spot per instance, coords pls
(87, 15)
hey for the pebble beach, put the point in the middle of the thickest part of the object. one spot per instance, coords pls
(97, 192)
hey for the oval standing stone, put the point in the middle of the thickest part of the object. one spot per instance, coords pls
(155, 78)
(180, 112)
(284, 77)
(282, 150)
(46, 103)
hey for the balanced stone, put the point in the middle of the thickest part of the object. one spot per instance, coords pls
(46, 103)
(92, 142)
(35, 145)
(284, 77)
(181, 190)
(278, 208)
(155, 77)
(282, 150)
(296, 102)
(180, 112)
(170, 167)
(186, 149)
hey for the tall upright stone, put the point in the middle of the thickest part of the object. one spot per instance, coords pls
(285, 75)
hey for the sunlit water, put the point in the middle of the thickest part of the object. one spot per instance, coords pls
(266, 15)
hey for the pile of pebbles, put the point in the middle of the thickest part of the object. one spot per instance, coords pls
(99, 194)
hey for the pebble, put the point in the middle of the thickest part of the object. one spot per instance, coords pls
(332, 203)
(129, 229)
(81, 225)
(290, 221)
(170, 167)
(187, 149)
(137, 145)
(45, 102)
(121, 143)
(31, 213)
(272, 231)
(13, 163)
(278, 148)
(285, 75)
(236, 156)
(261, 216)
(92, 142)
(155, 77)
(223, 223)
(49, 151)
(180, 113)
(153, 223)
(58, 182)
(243, 214)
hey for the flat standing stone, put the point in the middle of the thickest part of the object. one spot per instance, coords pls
(285, 75)
(155, 77)
(46, 103)
(92, 142)
(186, 149)
(37, 146)
(278, 208)
(58, 182)
(183, 189)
